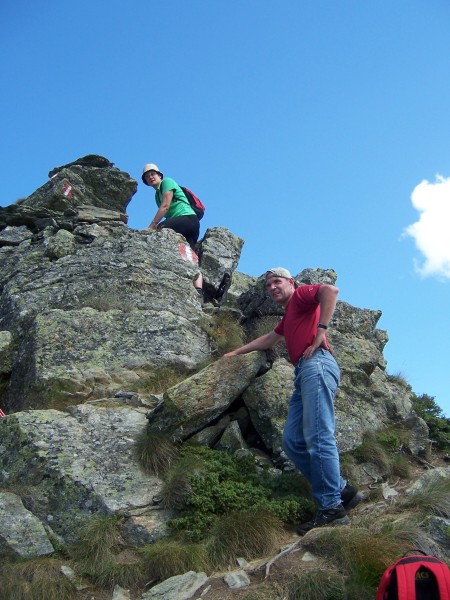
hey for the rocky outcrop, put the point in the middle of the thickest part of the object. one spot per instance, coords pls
(91, 310)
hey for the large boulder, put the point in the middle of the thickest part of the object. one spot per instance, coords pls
(91, 310)
(196, 402)
(219, 254)
(77, 464)
(21, 533)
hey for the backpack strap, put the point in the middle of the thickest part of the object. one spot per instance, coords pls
(384, 582)
(442, 573)
(406, 580)
(407, 568)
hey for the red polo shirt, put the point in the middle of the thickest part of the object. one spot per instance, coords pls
(300, 320)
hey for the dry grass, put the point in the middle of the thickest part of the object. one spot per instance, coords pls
(37, 579)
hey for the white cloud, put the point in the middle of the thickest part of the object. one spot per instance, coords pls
(432, 231)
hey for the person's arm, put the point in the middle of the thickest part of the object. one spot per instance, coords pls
(264, 342)
(327, 297)
(166, 201)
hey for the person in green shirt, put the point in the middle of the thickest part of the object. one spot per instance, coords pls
(174, 208)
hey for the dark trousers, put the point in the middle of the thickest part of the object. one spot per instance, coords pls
(187, 225)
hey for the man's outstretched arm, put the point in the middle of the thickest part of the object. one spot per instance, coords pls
(264, 342)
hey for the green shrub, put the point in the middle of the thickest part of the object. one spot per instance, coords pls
(372, 451)
(401, 467)
(223, 483)
(363, 553)
(98, 541)
(399, 379)
(177, 486)
(438, 425)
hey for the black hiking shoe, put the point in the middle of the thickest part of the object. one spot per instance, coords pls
(350, 497)
(325, 517)
(223, 287)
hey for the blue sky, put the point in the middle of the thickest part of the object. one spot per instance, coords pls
(318, 131)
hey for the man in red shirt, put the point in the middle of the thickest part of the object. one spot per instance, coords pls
(308, 437)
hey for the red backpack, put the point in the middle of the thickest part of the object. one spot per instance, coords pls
(415, 578)
(196, 203)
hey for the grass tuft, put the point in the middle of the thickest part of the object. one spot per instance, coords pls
(177, 485)
(226, 331)
(244, 534)
(36, 579)
(317, 584)
(156, 452)
(169, 557)
(433, 498)
(99, 552)
(363, 553)
(158, 381)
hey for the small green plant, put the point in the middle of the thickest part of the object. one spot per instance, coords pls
(264, 325)
(263, 594)
(98, 542)
(169, 557)
(105, 302)
(156, 452)
(36, 579)
(317, 584)
(128, 574)
(246, 534)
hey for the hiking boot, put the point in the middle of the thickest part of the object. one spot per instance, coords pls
(350, 497)
(326, 517)
(223, 287)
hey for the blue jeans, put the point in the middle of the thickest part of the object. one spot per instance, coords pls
(308, 437)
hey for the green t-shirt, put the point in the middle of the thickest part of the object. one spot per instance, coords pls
(180, 204)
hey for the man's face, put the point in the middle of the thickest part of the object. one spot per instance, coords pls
(280, 289)
(152, 178)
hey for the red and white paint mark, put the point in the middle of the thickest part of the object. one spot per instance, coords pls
(187, 253)
(67, 189)
(2, 414)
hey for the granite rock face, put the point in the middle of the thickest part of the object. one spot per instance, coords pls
(91, 311)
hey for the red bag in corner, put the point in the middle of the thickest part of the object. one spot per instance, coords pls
(415, 578)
